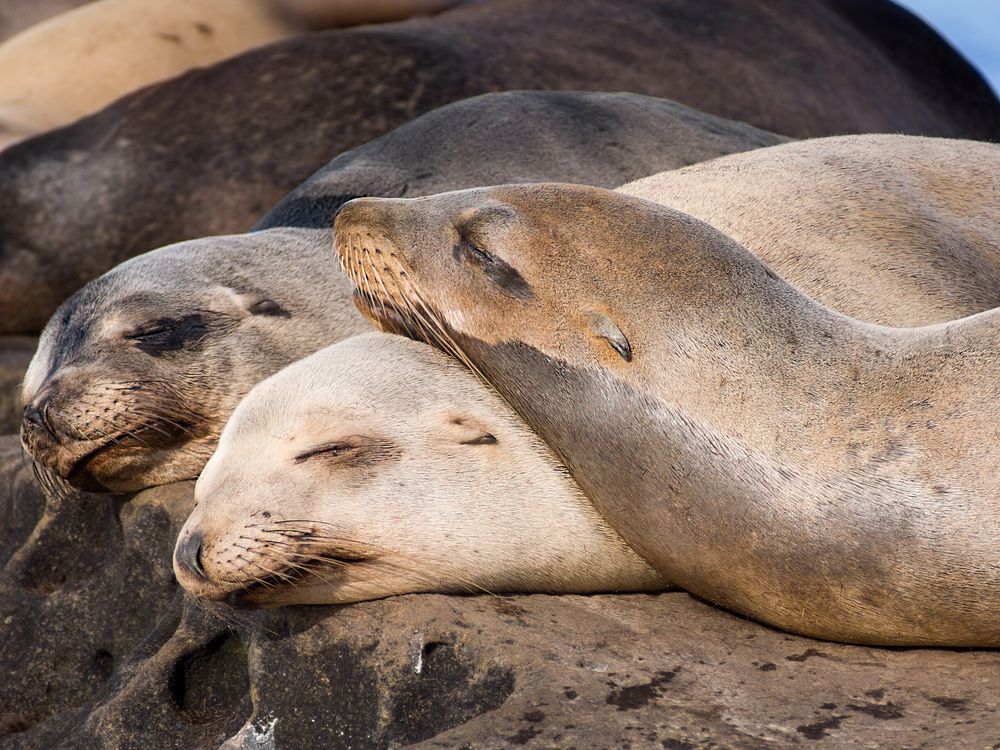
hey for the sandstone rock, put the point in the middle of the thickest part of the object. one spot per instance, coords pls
(100, 650)
(15, 354)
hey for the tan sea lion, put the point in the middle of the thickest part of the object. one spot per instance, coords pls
(380, 466)
(923, 210)
(88, 355)
(76, 201)
(79, 61)
(828, 476)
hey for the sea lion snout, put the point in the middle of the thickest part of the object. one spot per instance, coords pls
(187, 555)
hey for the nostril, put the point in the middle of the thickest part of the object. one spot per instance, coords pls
(37, 415)
(189, 554)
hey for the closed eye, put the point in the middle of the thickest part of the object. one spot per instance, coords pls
(170, 334)
(331, 450)
(497, 270)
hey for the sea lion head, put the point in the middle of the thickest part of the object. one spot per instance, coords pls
(380, 466)
(556, 268)
(137, 372)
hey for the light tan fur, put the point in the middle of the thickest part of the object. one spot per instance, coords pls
(828, 476)
(893, 229)
(424, 481)
(79, 61)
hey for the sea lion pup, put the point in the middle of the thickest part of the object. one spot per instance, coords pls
(924, 210)
(380, 466)
(830, 477)
(591, 138)
(543, 136)
(137, 373)
(76, 201)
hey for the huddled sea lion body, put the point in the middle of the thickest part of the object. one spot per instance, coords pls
(80, 61)
(195, 294)
(380, 466)
(828, 476)
(593, 138)
(891, 229)
(207, 152)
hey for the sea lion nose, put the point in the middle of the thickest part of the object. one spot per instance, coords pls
(188, 554)
(36, 416)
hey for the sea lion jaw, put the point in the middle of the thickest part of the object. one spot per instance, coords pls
(379, 466)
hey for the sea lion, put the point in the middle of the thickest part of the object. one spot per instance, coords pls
(258, 124)
(892, 229)
(597, 137)
(379, 466)
(828, 476)
(136, 375)
(592, 138)
(80, 61)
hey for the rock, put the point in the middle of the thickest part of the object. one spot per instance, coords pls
(101, 650)
(15, 354)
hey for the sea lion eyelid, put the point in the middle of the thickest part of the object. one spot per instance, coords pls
(330, 450)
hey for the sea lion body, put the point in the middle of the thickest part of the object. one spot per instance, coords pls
(828, 476)
(379, 466)
(83, 352)
(78, 62)
(892, 229)
(593, 138)
(258, 124)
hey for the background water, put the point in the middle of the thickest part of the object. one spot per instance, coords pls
(972, 26)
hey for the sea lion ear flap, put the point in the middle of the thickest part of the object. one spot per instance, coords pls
(466, 430)
(602, 326)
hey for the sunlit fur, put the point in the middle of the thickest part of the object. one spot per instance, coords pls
(829, 476)
(449, 491)
(123, 416)
(892, 229)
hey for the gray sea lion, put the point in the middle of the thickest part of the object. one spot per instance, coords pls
(134, 378)
(76, 201)
(592, 138)
(828, 476)
(380, 466)
(90, 353)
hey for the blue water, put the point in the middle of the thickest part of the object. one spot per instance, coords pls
(972, 26)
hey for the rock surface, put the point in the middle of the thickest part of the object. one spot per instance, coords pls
(101, 650)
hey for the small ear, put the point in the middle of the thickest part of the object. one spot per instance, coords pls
(603, 326)
(267, 306)
(467, 431)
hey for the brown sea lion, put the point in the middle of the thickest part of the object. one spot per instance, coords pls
(828, 476)
(206, 153)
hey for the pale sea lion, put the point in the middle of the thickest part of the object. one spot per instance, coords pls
(89, 352)
(828, 476)
(135, 377)
(379, 466)
(891, 229)
(80, 61)
(76, 201)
